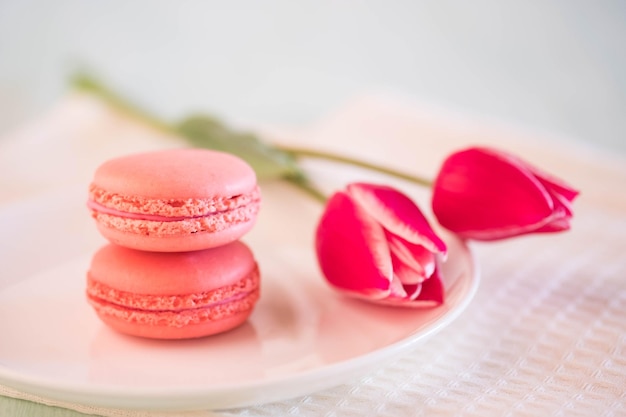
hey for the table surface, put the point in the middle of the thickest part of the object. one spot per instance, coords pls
(546, 332)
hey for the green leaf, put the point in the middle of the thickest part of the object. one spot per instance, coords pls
(267, 161)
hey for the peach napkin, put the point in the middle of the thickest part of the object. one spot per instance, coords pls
(545, 335)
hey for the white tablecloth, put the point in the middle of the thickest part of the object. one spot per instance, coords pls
(546, 332)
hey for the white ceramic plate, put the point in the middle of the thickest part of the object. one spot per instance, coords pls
(302, 336)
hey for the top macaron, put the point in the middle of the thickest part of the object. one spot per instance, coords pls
(174, 200)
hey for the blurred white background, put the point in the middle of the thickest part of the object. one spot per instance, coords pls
(556, 66)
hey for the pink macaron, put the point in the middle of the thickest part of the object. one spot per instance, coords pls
(176, 295)
(174, 200)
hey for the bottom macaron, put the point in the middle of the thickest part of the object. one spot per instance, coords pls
(178, 295)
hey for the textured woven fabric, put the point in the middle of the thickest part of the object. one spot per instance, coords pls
(544, 336)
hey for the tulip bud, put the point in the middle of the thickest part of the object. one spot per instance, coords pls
(373, 243)
(486, 194)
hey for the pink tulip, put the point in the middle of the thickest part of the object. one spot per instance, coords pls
(485, 194)
(373, 243)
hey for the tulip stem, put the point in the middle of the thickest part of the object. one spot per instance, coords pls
(87, 84)
(313, 153)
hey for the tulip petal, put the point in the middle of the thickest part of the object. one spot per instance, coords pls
(405, 274)
(559, 225)
(560, 219)
(432, 289)
(396, 289)
(412, 291)
(485, 194)
(549, 181)
(553, 183)
(561, 204)
(409, 256)
(397, 214)
(352, 250)
(403, 255)
(430, 293)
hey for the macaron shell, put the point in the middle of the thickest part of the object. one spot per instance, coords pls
(176, 174)
(171, 273)
(208, 328)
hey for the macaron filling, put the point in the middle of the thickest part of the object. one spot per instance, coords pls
(138, 207)
(179, 318)
(99, 291)
(147, 216)
(99, 208)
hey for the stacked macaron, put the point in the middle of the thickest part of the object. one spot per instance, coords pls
(175, 267)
